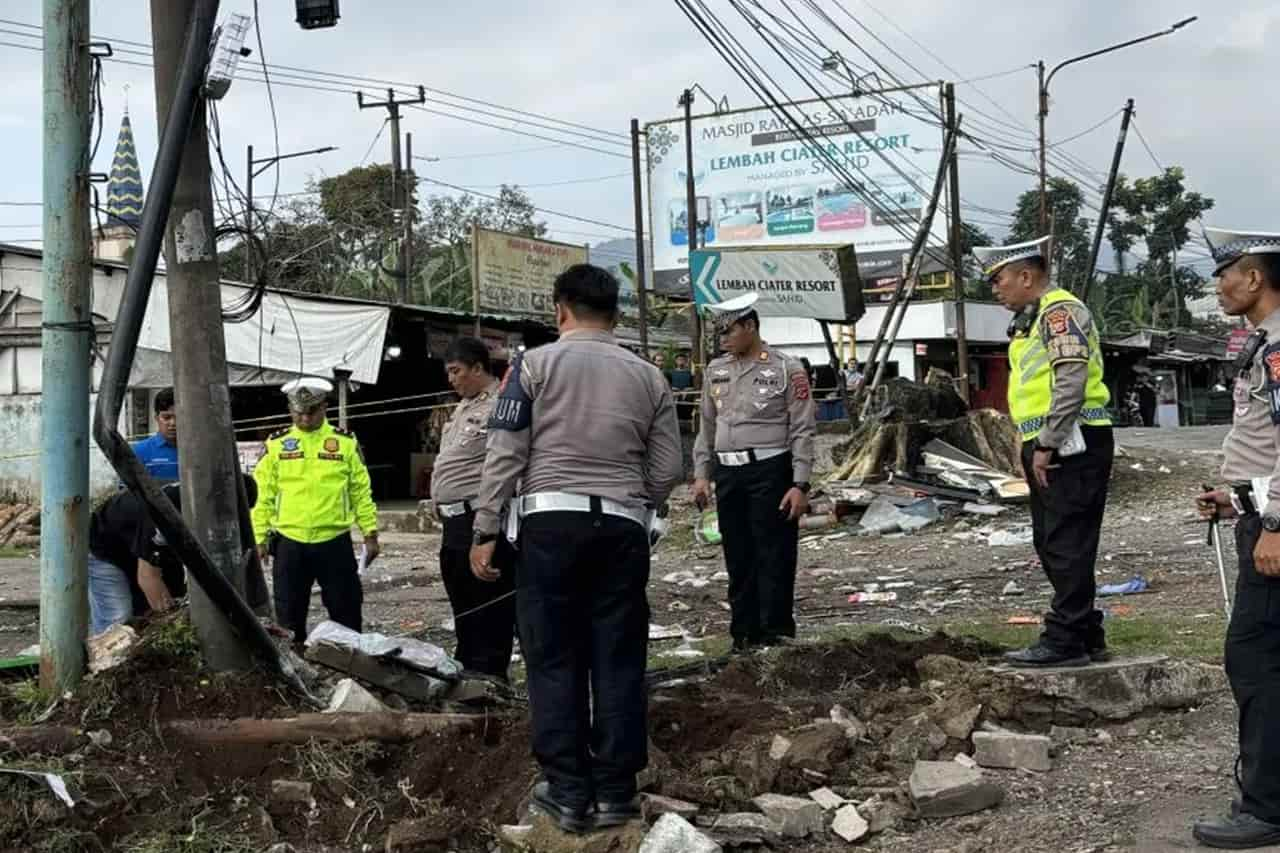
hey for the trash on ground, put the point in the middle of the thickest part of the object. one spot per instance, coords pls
(1023, 620)
(111, 647)
(53, 780)
(660, 632)
(957, 468)
(1011, 588)
(1010, 538)
(411, 652)
(883, 516)
(1132, 586)
(983, 509)
(707, 529)
(873, 597)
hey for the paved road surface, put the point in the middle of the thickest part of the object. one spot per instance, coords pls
(1188, 439)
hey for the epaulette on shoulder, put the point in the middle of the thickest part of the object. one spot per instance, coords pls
(280, 433)
(346, 433)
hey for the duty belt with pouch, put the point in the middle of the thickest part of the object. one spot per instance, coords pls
(453, 510)
(738, 458)
(1249, 498)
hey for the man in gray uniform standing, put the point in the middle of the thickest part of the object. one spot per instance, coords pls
(483, 611)
(589, 430)
(1248, 271)
(756, 440)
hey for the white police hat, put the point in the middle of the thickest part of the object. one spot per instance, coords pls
(307, 392)
(1227, 247)
(725, 314)
(993, 258)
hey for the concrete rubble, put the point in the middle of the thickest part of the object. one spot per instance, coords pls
(881, 814)
(960, 725)
(1010, 751)
(653, 806)
(946, 789)
(350, 698)
(854, 729)
(674, 834)
(796, 817)
(817, 747)
(850, 825)
(916, 738)
(827, 798)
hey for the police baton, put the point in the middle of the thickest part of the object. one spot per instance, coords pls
(1215, 538)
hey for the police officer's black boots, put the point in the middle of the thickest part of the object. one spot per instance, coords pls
(1240, 831)
(568, 818)
(616, 814)
(1041, 655)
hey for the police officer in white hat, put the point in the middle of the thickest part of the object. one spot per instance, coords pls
(1248, 273)
(756, 442)
(1058, 402)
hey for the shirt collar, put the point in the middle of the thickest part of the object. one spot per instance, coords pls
(599, 335)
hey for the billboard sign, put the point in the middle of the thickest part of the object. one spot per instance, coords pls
(765, 185)
(515, 274)
(818, 283)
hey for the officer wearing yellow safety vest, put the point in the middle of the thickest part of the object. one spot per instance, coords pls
(1059, 405)
(312, 487)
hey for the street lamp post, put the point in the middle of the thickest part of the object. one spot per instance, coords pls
(1044, 100)
(250, 174)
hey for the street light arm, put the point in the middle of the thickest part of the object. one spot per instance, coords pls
(1114, 47)
(268, 161)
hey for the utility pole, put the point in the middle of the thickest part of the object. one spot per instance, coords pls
(406, 252)
(1106, 202)
(206, 454)
(957, 254)
(393, 112)
(1043, 113)
(636, 190)
(67, 271)
(686, 101)
(249, 174)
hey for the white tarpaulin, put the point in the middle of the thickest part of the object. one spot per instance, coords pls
(289, 335)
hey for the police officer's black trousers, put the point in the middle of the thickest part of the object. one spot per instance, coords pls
(296, 566)
(584, 632)
(1066, 521)
(1253, 668)
(484, 613)
(760, 548)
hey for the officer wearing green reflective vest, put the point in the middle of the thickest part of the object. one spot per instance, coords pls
(312, 487)
(1059, 405)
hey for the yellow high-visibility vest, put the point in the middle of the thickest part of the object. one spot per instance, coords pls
(1031, 374)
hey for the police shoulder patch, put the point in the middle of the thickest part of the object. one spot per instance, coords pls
(1271, 363)
(514, 409)
(346, 433)
(280, 433)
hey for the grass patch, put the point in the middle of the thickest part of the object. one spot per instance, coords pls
(8, 552)
(174, 638)
(1175, 636)
(29, 700)
(202, 839)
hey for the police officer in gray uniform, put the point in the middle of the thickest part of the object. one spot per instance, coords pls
(589, 429)
(1248, 271)
(756, 440)
(483, 611)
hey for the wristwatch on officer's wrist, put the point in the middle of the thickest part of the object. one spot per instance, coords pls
(484, 538)
(804, 487)
(1271, 523)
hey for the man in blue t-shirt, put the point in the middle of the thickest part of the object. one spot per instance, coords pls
(159, 453)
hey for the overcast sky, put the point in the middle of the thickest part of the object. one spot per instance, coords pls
(1202, 95)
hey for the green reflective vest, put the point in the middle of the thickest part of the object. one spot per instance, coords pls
(1031, 369)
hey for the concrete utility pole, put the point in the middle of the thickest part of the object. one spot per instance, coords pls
(636, 190)
(957, 254)
(1083, 290)
(686, 101)
(406, 252)
(66, 314)
(400, 199)
(206, 451)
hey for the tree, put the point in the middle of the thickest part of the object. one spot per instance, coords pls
(1071, 237)
(1154, 214)
(971, 237)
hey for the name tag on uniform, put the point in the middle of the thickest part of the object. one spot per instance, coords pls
(1271, 359)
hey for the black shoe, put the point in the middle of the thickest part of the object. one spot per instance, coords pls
(1100, 654)
(570, 819)
(1241, 832)
(616, 814)
(1041, 655)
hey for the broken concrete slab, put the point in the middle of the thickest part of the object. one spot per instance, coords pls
(1009, 751)
(515, 836)
(385, 674)
(850, 825)
(916, 738)
(674, 834)
(796, 817)
(779, 748)
(756, 769)
(827, 798)
(960, 725)
(1115, 690)
(1067, 735)
(854, 729)
(965, 760)
(350, 698)
(881, 814)
(818, 747)
(744, 828)
(654, 806)
(946, 789)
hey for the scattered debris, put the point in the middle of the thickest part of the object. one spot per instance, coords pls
(1023, 620)
(779, 748)
(959, 726)
(417, 835)
(850, 825)
(350, 698)
(673, 834)
(946, 789)
(1012, 588)
(1010, 538)
(854, 729)
(55, 782)
(965, 760)
(881, 814)
(1011, 751)
(1133, 586)
(827, 798)
(659, 632)
(706, 530)
(983, 509)
(884, 516)
(873, 598)
(111, 648)
(291, 792)
(796, 817)
(817, 747)
(916, 738)
(1066, 735)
